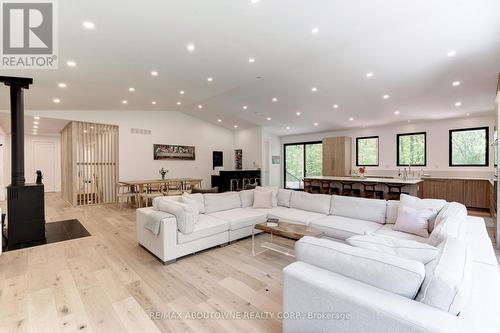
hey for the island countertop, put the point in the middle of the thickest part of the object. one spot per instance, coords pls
(367, 180)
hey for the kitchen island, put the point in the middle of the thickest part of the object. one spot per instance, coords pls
(324, 184)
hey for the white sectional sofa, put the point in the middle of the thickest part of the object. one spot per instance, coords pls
(363, 290)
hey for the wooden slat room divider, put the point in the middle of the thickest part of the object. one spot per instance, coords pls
(89, 163)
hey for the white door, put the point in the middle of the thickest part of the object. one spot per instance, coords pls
(44, 156)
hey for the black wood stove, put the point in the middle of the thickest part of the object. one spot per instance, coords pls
(25, 202)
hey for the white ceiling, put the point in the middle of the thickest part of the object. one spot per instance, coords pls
(404, 43)
(46, 126)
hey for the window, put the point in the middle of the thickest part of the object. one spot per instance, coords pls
(411, 149)
(302, 160)
(469, 147)
(367, 151)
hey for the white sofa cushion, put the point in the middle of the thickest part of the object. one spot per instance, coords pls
(241, 217)
(263, 199)
(215, 202)
(420, 204)
(185, 215)
(198, 197)
(207, 226)
(404, 248)
(344, 227)
(414, 221)
(450, 224)
(388, 230)
(319, 203)
(157, 200)
(272, 188)
(359, 208)
(246, 198)
(447, 282)
(293, 215)
(284, 197)
(392, 211)
(394, 274)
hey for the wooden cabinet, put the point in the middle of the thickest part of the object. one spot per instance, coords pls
(337, 156)
(471, 193)
(476, 193)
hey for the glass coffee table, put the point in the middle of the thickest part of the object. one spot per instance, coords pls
(282, 229)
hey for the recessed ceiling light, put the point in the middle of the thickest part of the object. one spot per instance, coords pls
(124, 102)
(386, 96)
(190, 47)
(35, 123)
(91, 127)
(288, 127)
(298, 113)
(35, 127)
(154, 73)
(268, 118)
(315, 30)
(251, 60)
(351, 119)
(56, 100)
(467, 114)
(245, 107)
(34, 133)
(153, 102)
(179, 103)
(396, 112)
(181, 92)
(315, 124)
(235, 126)
(219, 120)
(458, 104)
(369, 74)
(131, 89)
(452, 53)
(84, 131)
(335, 106)
(62, 85)
(210, 79)
(314, 89)
(88, 25)
(455, 83)
(36, 117)
(71, 63)
(200, 106)
(274, 99)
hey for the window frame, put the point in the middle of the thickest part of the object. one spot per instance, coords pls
(487, 146)
(425, 148)
(303, 161)
(378, 150)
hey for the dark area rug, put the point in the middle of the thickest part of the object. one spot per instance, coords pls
(54, 232)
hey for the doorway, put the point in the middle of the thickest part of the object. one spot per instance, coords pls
(44, 159)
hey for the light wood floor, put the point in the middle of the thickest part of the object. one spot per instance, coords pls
(107, 283)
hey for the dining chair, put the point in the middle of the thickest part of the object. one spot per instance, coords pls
(173, 188)
(150, 192)
(123, 193)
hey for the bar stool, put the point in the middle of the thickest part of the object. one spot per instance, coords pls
(234, 185)
(394, 191)
(245, 182)
(324, 187)
(369, 191)
(349, 191)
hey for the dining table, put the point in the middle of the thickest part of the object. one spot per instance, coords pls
(138, 186)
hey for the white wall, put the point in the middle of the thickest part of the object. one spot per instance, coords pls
(250, 141)
(271, 146)
(168, 127)
(437, 145)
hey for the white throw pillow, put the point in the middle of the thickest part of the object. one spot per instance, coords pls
(448, 278)
(270, 188)
(193, 204)
(404, 248)
(392, 211)
(186, 216)
(263, 199)
(284, 197)
(420, 204)
(198, 197)
(391, 273)
(246, 197)
(413, 221)
(449, 224)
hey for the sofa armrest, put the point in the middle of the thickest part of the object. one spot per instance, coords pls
(310, 290)
(163, 244)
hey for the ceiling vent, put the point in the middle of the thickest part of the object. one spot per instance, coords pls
(140, 131)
